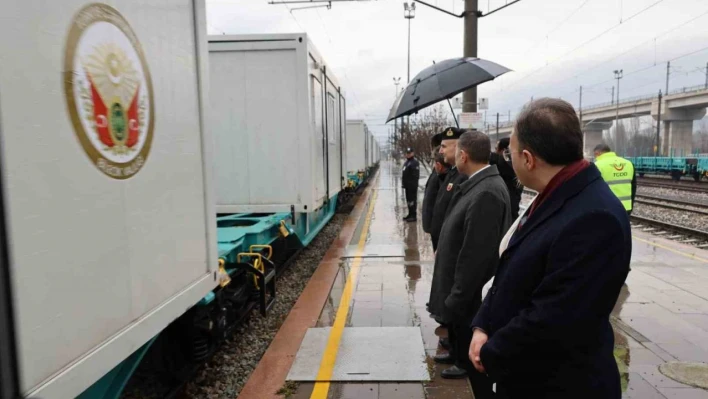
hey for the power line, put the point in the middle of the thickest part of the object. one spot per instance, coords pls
(539, 40)
(675, 28)
(523, 78)
(329, 38)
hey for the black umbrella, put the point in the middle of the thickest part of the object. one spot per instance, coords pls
(441, 81)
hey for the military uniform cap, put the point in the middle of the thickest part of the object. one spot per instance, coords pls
(409, 150)
(451, 133)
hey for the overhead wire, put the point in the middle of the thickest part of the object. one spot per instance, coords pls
(523, 78)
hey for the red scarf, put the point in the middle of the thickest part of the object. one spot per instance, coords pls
(561, 177)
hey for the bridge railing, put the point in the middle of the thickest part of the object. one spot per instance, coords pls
(626, 101)
(623, 102)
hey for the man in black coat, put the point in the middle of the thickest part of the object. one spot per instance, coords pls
(432, 186)
(477, 218)
(409, 178)
(544, 329)
(448, 144)
(506, 171)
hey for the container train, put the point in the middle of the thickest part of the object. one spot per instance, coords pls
(154, 180)
(695, 167)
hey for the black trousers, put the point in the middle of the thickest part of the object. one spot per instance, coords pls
(411, 198)
(434, 239)
(460, 338)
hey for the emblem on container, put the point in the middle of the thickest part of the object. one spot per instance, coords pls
(108, 91)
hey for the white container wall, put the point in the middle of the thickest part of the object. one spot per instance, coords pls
(107, 204)
(277, 114)
(356, 145)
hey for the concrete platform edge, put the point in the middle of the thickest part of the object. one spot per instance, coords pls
(272, 370)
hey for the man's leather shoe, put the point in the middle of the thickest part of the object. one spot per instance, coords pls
(453, 372)
(444, 358)
(410, 219)
(445, 343)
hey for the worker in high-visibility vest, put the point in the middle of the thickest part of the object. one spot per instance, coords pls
(618, 173)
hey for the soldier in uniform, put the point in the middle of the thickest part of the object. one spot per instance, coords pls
(411, 174)
(448, 145)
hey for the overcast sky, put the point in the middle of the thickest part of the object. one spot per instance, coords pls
(552, 46)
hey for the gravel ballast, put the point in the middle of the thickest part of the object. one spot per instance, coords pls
(225, 374)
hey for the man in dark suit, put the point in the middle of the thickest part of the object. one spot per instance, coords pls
(506, 171)
(432, 186)
(477, 218)
(544, 329)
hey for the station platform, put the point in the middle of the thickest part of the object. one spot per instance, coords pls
(377, 275)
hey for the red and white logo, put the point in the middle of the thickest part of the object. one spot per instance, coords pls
(109, 91)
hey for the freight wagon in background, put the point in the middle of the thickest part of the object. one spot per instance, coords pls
(278, 115)
(359, 152)
(153, 201)
(694, 167)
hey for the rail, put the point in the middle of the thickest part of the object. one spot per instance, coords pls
(686, 231)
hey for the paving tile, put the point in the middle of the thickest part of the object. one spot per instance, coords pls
(365, 317)
(644, 356)
(654, 330)
(684, 393)
(654, 377)
(657, 350)
(686, 352)
(698, 320)
(368, 296)
(369, 287)
(459, 391)
(353, 390)
(401, 391)
(639, 388)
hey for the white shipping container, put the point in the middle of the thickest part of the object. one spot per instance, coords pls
(109, 217)
(277, 117)
(356, 145)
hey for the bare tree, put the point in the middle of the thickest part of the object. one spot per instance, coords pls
(418, 135)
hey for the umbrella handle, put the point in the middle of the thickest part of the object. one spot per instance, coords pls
(453, 113)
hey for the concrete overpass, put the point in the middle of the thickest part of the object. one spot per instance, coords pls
(678, 111)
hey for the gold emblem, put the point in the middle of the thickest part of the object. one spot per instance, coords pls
(108, 91)
(450, 133)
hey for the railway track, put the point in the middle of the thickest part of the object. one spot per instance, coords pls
(692, 187)
(670, 203)
(682, 234)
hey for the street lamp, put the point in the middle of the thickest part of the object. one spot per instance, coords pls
(409, 13)
(618, 76)
(396, 81)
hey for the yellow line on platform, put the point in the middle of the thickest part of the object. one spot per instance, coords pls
(692, 256)
(321, 388)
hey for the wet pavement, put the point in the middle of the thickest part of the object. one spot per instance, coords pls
(391, 291)
(661, 315)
